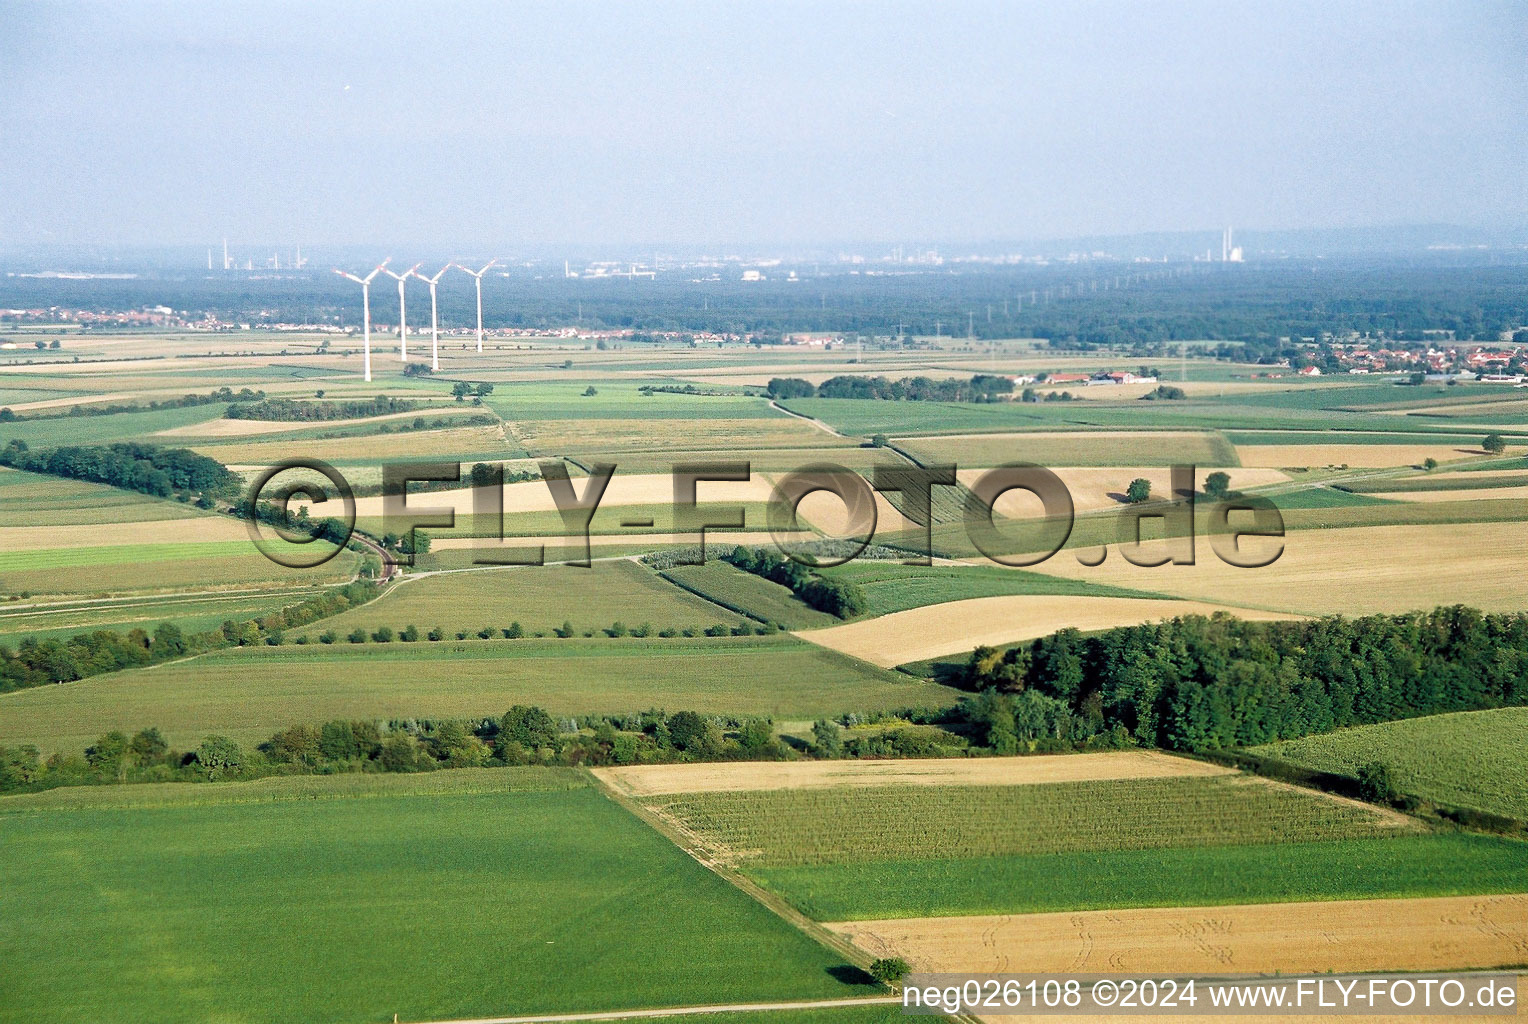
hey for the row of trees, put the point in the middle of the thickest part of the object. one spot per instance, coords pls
(146, 468)
(1198, 683)
(297, 411)
(980, 388)
(185, 402)
(836, 597)
(524, 735)
(37, 662)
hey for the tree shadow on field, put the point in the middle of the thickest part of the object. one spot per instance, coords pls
(852, 975)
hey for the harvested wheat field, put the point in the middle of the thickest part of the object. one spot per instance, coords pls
(1359, 456)
(1357, 570)
(1473, 494)
(1446, 933)
(955, 626)
(660, 780)
(191, 529)
(630, 489)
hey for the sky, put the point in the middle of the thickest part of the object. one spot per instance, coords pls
(485, 125)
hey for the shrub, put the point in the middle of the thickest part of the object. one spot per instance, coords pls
(357, 636)
(383, 635)
(328, 636)
(889, 970)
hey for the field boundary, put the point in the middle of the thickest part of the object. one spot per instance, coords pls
(702, 853)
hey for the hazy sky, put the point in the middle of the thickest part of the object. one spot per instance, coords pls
(483, 126)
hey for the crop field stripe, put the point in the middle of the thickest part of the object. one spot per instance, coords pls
(1402, 866)
(845, 825)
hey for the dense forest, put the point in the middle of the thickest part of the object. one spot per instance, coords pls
(147, 468)
(1213, 683)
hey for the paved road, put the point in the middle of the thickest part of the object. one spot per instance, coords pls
(680, 1011)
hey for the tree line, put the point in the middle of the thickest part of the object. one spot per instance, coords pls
(188, 401)
(1201, 684)
(523, 735)
(37, 662)
(836, 597)
(983, 387)
(146, 468)
(305, 411)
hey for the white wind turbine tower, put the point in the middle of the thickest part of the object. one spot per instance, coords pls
(403, 320)
(365, 283)
(434, 316)
(478, 276)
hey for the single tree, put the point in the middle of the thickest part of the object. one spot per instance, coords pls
(1217, 485)
(1494, 443)
(889, 970)
(1138, 491)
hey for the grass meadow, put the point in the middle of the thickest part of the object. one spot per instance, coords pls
(505, 891)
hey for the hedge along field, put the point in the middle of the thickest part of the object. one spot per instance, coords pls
(545, 895)
(863, 824)
(1473, 759)
(778, 676)
(1403, 866)
(747, 594)
(540, 598)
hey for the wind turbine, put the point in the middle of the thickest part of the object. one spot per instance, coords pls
(434, 317)
(478, 276)
(403, 320)
(365, 283)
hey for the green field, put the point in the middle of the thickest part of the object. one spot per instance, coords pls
(1448, 864)
(249, 693)
(498, 891)
(875, 823)
(1475, 759)
(29, 499)
(608, 519)
(748, 594)
(140, 567)
(894, 587)
(1075, 449)
(193, 614)
(122, 426)
(540, 598)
